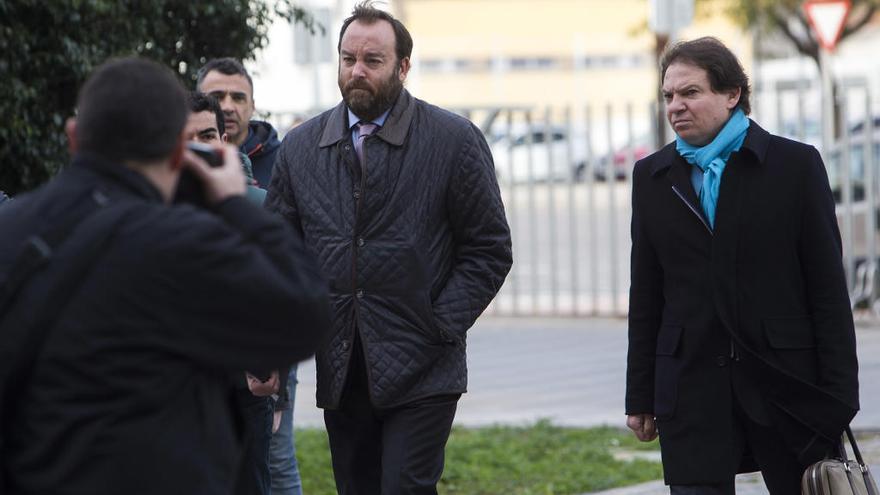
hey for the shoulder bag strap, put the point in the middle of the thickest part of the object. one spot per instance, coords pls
(23, 336)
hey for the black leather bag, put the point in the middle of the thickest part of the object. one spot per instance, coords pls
(840, 475)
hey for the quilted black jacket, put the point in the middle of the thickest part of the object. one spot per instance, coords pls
(415, 243)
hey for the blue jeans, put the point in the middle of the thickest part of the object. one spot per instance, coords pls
(257, 412)
(282, 450)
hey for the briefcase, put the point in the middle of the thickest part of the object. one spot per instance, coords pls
(840, 475)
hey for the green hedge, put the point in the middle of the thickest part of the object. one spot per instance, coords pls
(49, 47)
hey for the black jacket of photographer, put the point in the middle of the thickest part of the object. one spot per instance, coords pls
(414, 242)
(131, 392)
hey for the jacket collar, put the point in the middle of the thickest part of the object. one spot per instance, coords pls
(262, 139)
(757, 141)
(117, 173)
(393, 132)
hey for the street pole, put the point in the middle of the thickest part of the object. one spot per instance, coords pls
(827, 101)
(665, 18)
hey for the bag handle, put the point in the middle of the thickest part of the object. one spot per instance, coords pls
(855, 447)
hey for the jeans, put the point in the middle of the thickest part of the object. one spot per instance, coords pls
(257, 411)
(282, 450)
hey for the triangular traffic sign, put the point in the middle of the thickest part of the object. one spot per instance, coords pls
(827, 18)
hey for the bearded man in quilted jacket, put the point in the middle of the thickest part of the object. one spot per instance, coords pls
(398, 199)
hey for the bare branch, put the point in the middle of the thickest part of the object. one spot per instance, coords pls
(852, 27)
(780, 18)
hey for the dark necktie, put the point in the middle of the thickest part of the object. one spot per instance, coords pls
(363, 130)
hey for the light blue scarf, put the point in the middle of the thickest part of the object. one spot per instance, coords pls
(712, 158)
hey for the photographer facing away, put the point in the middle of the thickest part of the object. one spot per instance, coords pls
(119, 344)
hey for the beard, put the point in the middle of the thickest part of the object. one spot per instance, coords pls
(367, 102)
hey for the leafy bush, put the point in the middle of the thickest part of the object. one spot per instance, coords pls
(48, 48)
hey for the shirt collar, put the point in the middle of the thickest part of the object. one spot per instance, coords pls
(354, 119)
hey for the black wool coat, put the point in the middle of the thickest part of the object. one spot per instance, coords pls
(131, 392)
(414, 242)
(756, 311)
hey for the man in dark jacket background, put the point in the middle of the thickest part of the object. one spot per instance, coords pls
(205, 125)
(741, 339)
(229, 82)
(398, 199)
(130, 391)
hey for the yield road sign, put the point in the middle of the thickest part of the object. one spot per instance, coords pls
(827, 18)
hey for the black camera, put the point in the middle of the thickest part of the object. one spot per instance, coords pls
(189, 188)
(211, 155)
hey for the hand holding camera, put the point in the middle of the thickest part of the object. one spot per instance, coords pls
(218, 168)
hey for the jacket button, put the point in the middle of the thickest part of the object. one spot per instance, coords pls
(347, 147)
(360, 242)
(356, 194)
(721, 361)
(359, 293)
(345, 345)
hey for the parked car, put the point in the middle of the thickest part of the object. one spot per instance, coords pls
(620, 163)
(859, 210)
(551, 160)
(859, 127)
(539, 154)
(811, 130)
(857, 165)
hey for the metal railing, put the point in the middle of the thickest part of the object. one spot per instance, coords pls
(564, 177)
(851, 163)
(565, 180)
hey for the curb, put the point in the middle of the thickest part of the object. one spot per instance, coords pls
(746, 484)
(647, 488)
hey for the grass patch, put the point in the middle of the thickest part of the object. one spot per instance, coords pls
(540, 459)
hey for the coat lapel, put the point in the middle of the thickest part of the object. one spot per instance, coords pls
(679, 177)
(729, 217)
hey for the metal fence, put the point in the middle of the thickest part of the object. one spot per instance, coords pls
(564, 176)
(565, 179)
(851, 159)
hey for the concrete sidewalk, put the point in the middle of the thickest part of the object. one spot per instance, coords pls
(746, 484)
(572, 372)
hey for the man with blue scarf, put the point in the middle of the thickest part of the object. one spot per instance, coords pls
(741, 343)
